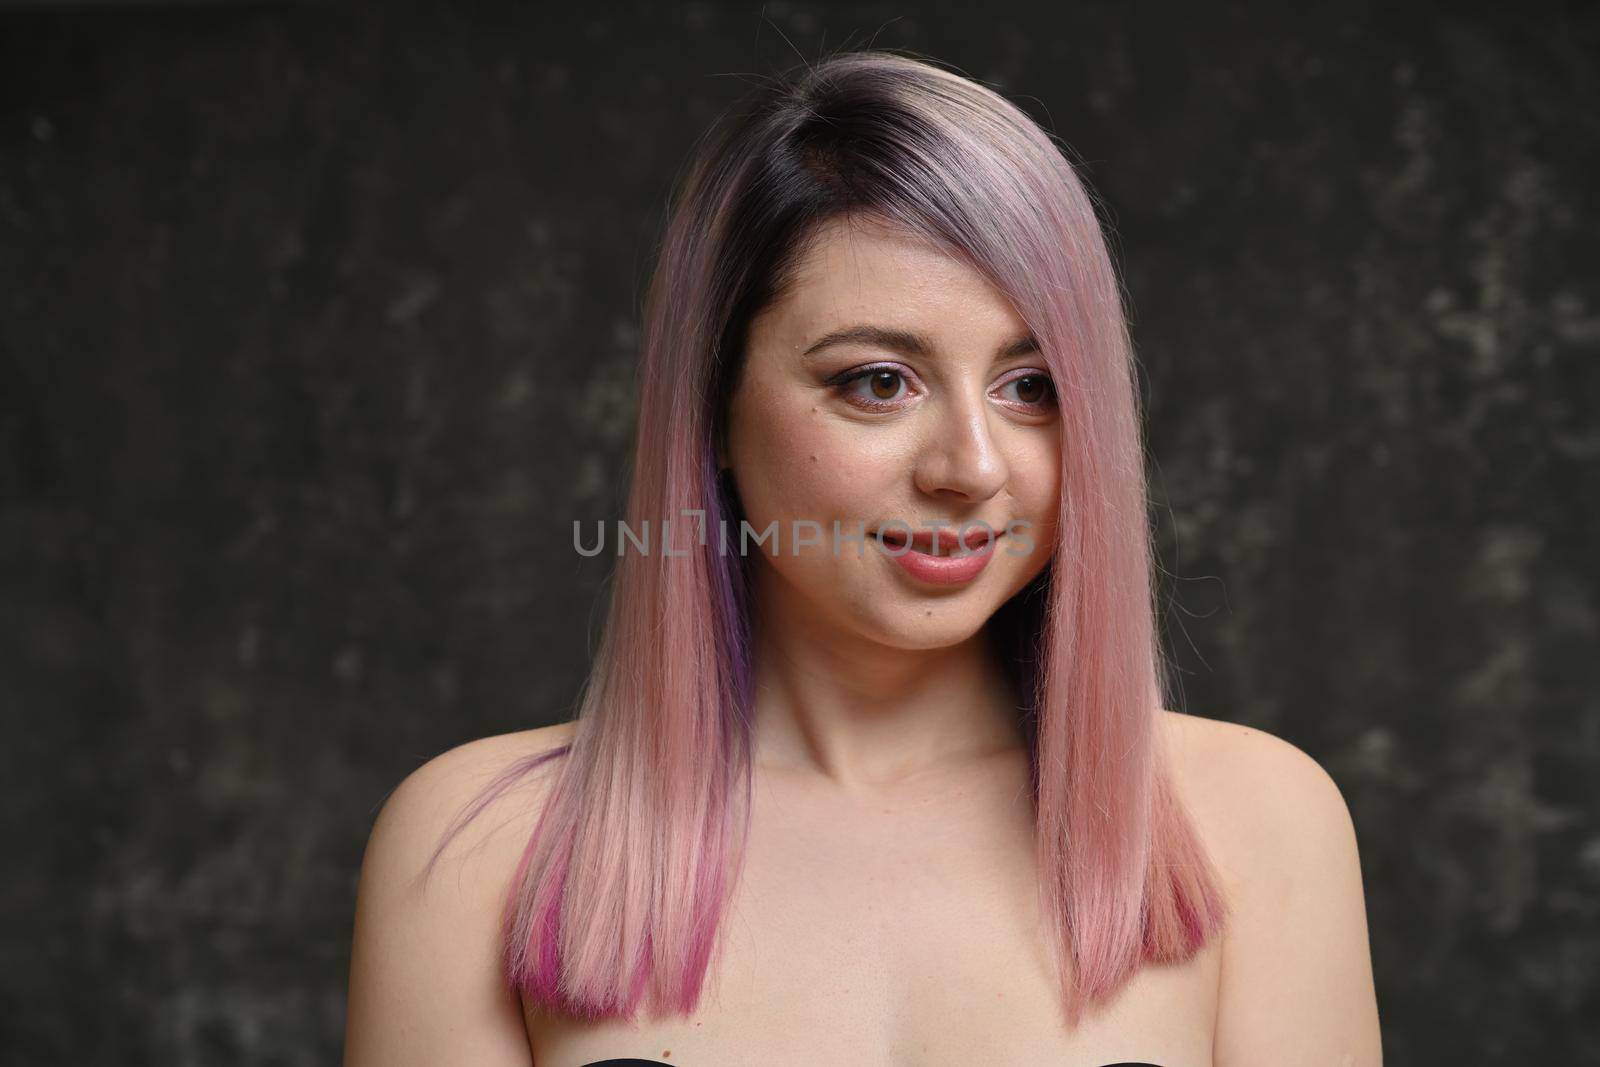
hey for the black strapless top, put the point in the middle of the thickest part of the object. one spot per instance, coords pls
(646, 1063)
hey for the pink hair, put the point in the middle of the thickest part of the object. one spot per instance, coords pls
(622, 888)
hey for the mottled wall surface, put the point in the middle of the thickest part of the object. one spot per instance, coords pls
(318, 330)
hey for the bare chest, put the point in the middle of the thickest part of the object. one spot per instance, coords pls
(892, 931)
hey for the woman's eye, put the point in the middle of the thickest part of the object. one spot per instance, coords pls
(1033, 390)
(887, 387)
(875, 386)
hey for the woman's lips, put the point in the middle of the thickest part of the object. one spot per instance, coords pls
(920, 563)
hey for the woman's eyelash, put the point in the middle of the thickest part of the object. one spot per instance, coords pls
(845, 382)
(1045, 380)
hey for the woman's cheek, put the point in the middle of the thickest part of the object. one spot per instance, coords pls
(845, 484)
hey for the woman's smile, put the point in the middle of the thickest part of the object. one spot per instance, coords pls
(941, 542)
(937, 564)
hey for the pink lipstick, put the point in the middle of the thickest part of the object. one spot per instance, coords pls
(921, 562)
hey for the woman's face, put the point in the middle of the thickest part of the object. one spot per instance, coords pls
(954, 421)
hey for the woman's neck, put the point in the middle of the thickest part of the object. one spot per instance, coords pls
(864, 714)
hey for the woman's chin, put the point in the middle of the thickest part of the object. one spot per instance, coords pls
(921, 628)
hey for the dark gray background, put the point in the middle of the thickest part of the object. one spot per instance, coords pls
(318, 329)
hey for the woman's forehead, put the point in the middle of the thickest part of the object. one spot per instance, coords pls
(854, 272)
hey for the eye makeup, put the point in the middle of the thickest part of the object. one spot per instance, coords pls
(894, 376)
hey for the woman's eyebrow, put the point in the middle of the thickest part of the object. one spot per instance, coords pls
(908, 342)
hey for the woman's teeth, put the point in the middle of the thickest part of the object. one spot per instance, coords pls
(947, 546)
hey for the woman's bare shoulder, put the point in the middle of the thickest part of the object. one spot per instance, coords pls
(431, 798)
(459, 773)
(1297, 971)
(1256, 799)
(1248, 788)
(426, 945)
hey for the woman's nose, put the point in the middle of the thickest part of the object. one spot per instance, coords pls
(959, 455)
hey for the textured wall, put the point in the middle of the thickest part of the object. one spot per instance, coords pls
(316, 330)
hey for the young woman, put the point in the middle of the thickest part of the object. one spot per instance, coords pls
(873, 765)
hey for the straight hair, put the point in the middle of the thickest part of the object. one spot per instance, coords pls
(620, 892)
